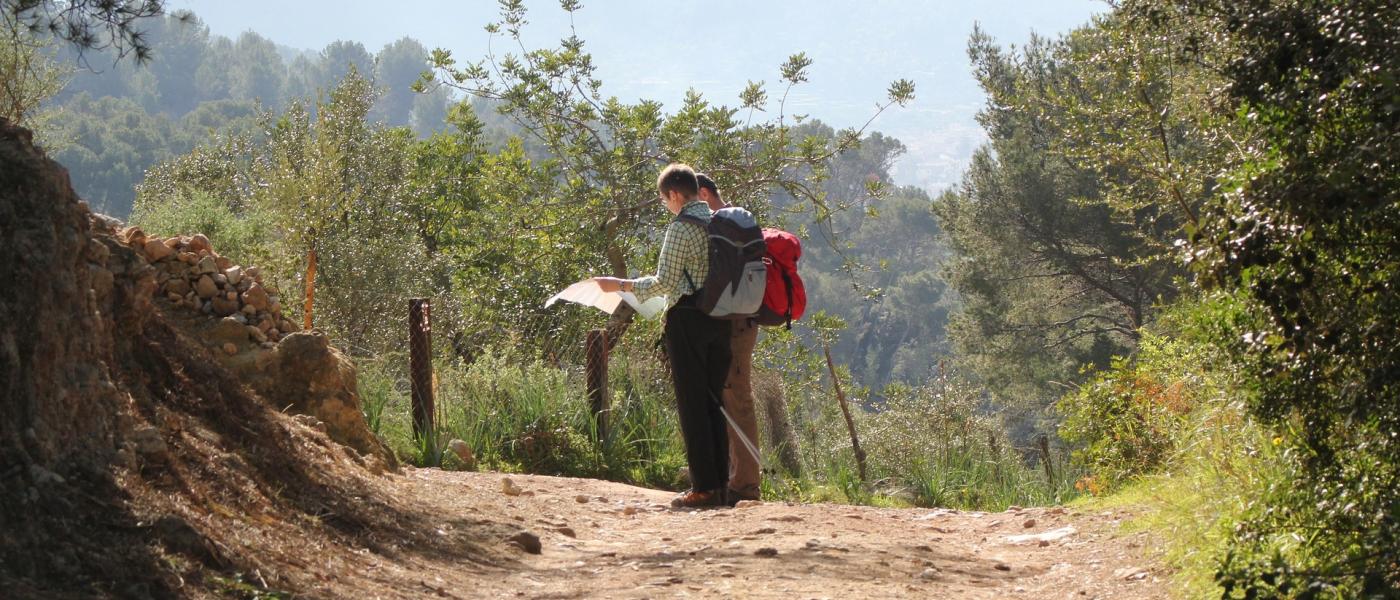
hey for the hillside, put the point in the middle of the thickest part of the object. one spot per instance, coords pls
(134, 464)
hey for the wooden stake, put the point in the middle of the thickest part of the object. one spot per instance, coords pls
(1044, 443)
(596, 350)
(310, 289)
(846, 411)
(420, 364)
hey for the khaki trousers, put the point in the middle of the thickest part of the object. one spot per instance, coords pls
(738, 402)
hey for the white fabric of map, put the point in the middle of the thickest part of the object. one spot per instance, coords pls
(588, 293)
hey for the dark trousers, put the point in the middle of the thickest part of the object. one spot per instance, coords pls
(698, 348)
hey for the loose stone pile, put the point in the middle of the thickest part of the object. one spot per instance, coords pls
(190, 273)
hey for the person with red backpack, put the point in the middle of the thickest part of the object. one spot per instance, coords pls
(744, 469)
(784, 299)
(697, 343)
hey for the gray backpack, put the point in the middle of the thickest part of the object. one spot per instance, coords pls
(734, 288)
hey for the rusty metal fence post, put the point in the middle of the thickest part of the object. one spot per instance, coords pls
(597, 352)
(420, 364)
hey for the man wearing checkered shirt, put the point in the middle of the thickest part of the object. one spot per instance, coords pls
(698, 345)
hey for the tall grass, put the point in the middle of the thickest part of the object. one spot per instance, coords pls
(927, 446)
(932, 446)
(1167, 433)
(1224, 463)
(529, 416)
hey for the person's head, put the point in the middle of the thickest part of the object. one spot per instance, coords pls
(709, 192)
(677, 186)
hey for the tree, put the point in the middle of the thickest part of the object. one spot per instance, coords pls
(29, 76)
(178, 46)
(875, 265)
(1066, 222)
(430, 110)
(256, 72)
(341, 57)
(87, 24)
(307, 77)
(212, 78)
(604, 153)
(1308, 232)
(397, 67)
(329, 181)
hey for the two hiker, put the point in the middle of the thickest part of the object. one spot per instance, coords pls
(711, 358)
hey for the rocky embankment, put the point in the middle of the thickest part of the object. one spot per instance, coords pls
(189, 273)
(139, 458)
(239, 318)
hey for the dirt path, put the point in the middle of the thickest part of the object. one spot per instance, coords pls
(602, 539)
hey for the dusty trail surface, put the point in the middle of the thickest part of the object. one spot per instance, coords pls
(605, 540)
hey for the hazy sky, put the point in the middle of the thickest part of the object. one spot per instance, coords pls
(660, 48)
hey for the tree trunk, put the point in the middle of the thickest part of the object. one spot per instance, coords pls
(620, 320)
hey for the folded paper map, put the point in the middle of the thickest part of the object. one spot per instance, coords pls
(588, 293)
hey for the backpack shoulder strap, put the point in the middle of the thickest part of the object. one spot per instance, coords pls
(694, 220)
(787, 285)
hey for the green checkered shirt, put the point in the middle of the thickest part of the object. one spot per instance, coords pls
(685, 249)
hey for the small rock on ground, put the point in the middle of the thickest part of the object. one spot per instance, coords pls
(527, 541)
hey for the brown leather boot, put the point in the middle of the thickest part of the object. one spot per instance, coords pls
(695, 499)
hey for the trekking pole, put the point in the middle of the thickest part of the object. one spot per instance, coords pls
(743, 438)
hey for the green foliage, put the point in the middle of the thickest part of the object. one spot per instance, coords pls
(928, 443)
(1126, 416)
(522, 415)
(244, 237)
(1131, 419)
(109, 142)
(29, 76)
(1222, 463)
(1307, 232)
(1263, 132)
(397, 67)
(255, 71)
(1061, 253)
(875, 263)
(332, 182)
(603, 153)
(936, 441)
(87, 24)
(197, 84)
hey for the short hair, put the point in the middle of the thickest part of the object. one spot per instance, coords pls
(705, 182)
(678, 177)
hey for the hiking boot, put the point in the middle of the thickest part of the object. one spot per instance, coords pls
(694, 499)
(732, 497)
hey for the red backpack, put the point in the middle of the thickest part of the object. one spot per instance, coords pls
(784, 298)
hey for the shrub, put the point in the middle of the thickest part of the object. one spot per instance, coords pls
(1130, 419)
(244, 236)
(523, 415)
(1124, 420)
